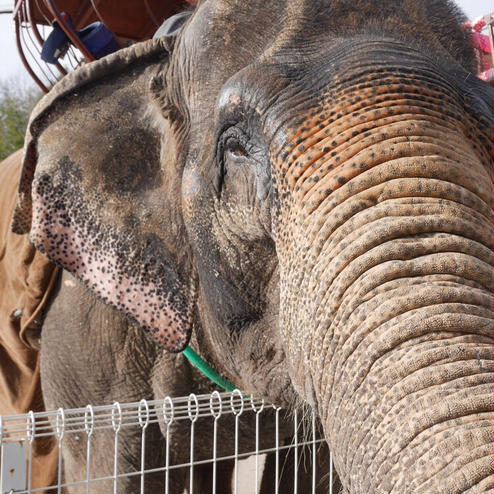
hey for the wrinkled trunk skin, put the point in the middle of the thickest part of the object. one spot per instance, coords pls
(388, 251)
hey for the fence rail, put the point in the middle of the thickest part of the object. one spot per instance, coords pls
(183, 444)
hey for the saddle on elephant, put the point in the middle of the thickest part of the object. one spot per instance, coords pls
(26, 280)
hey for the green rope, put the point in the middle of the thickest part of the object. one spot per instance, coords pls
(207, 370)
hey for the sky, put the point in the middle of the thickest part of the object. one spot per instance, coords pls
(11, 66)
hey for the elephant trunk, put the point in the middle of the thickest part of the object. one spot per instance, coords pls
(386, 279)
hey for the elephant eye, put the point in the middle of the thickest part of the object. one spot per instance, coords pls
(242, 164)
(234, 151)
(233, 144)
(234, 148)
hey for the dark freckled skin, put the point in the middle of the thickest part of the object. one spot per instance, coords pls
(295, 254)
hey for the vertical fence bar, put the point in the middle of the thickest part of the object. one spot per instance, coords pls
(31, 431)
(1, 449)
(168, 415)
(277, 449)
(216, 413)
(258, 412)
(314, 458)
(60, 431)
(193, 417)
(330, 472)
(116, 422)
(88, 427)
(237, 413)
(295, 452)
(143, 416)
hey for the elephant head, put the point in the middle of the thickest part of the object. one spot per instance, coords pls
(308, 186)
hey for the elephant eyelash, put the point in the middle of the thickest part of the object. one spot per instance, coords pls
(233, 140)
(234, 147)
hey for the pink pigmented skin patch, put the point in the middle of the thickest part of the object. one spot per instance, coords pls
(94, 261)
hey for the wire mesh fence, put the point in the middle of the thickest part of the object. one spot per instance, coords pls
(212, 443)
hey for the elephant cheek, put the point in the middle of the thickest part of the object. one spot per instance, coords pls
(191, 188)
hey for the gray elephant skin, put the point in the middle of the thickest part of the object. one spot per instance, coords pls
(307, 186)
(92, 354)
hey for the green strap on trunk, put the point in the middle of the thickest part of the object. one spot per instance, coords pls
(207, 370)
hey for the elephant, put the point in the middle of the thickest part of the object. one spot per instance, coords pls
(303, 189)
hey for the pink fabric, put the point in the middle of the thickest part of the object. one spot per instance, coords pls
(476, 24)
(481, 41)
(487, 75)
(482, 47)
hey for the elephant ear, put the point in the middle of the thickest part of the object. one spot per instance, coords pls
(100, 191)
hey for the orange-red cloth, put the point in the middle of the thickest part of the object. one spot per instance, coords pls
(26, 279)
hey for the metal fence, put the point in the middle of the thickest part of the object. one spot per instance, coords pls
(212, 443)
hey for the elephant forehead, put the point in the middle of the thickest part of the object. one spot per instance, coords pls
(217, 43)
(225, 36)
